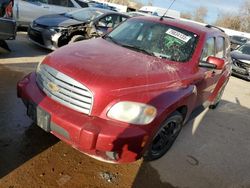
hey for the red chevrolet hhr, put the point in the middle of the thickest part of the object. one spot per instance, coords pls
(127, 94)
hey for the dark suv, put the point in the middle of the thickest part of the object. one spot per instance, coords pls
(7, 24)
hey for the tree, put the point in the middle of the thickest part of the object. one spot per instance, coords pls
(230, 21)
(186, 15)
(237, 21)
(200, 14)
(245, 16)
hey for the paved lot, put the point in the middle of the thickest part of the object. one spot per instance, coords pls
(212, 150)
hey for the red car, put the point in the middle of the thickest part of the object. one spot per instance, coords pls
(127, 94)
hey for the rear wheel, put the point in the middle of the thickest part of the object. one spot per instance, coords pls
(76, 38)
(165, 137)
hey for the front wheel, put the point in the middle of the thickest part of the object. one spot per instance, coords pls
(165, 137)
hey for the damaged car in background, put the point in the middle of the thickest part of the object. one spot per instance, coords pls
(54, 31)
(237, 41)
(241, 61)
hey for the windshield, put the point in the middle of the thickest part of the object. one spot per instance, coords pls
(244, 49)
(155, 39)
(84, 14)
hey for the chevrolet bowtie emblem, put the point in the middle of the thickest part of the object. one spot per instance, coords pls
(53, 87)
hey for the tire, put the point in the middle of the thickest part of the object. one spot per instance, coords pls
(164, 137)
(76, 38)
(218, 98)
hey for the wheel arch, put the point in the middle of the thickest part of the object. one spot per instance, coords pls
(64, 39)
(184, 102)
(183, 111)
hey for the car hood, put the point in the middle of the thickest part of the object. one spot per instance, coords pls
(98, 63)
(242, 57)
(57, 20)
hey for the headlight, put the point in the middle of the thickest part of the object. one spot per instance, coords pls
(57, 29)
(132, 112)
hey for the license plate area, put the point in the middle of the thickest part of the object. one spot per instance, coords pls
(39, 116)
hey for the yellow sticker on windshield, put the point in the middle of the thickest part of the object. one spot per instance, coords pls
(178, 35)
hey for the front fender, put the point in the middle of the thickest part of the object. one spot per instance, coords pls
(169, 101)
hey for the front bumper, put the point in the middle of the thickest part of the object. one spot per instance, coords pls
(44, 37)
(240, 72)
(102, 139)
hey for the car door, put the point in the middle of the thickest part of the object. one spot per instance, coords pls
(206, 85)
(7, 24)
(106, 22)
(7, 29)
(25, 11)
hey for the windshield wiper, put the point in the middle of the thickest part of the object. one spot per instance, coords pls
(162, 56)
(138, 49)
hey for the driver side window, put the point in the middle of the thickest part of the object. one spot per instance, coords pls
(108, 21)
(209, 49)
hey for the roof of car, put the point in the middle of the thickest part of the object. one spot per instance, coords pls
(103, 10)
(190, 26)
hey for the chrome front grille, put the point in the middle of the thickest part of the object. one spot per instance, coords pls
(64, 89)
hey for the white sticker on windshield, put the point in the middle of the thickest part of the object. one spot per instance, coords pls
(178, 35)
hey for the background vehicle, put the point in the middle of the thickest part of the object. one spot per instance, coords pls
(7, 24)
(236, 41)
(134, 14)
(127, 94)
(100, 5)
(25, 11)
(56, 30)
(241, 61)
(158, 11)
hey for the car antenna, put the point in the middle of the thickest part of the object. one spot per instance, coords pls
(167, 10)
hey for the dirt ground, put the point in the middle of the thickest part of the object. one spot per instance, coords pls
(213, 150)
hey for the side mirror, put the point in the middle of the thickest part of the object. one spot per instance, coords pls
(213, 63)
(220, 63)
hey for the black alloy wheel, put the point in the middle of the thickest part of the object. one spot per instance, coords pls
(165, 137)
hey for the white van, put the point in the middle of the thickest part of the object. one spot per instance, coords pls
(158, 11)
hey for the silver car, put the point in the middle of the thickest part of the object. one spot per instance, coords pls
(25, 11)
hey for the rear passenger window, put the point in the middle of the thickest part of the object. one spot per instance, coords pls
(220, 43)
(209, 49)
